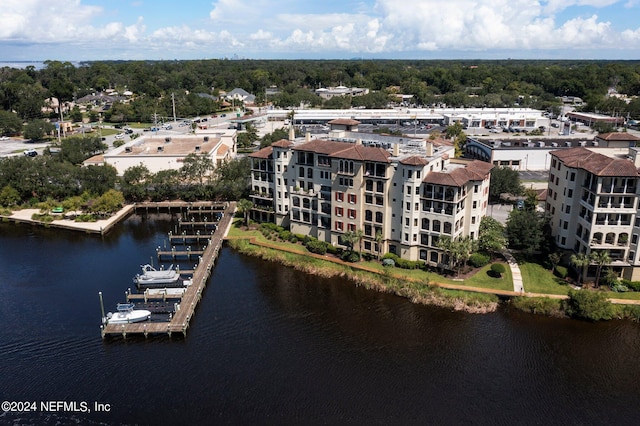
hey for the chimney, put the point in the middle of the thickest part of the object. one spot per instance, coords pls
(307, 137)
(358, 141)
(292, 134)
(429, 149)
(396, 149)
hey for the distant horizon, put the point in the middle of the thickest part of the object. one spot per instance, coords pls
(125, 30)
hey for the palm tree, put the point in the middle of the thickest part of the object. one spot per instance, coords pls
(580, 261)
(379, 240)
(245, 207)
(358, 235)
(600, 258)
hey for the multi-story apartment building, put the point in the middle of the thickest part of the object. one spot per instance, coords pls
(592, 202)
(403, 194)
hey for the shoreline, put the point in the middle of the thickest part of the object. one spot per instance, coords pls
(100, 227)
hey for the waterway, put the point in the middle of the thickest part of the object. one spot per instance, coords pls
(269, 345)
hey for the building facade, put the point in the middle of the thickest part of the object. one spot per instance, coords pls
(592, 203)
(403, 196)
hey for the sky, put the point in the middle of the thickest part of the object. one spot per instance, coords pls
(87, 30)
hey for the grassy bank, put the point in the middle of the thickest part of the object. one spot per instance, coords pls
(418, 291)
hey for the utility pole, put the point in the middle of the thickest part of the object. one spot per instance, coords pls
(173, 102)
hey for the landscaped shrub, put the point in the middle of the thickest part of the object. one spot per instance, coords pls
(590, 305)
(478, 260)
(315, 246)
(498, 269)
(284, 235)
(633, 285)
(619, 288)
(408, 264)
(390, 256)
(350, 256)
(388, 262)
(538, 305)
(561, 271)
(331, 249)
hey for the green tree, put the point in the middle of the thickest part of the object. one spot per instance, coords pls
(195, 167)
(458, 250)
(109, 202)
(491, 237)
(589, 305)
(379, 240)
(10, 123)
(600, 258)
(245, 205)
(504, 180)
(248, 137)
(134, 181)
(9, 196)
(76, 149)
(554, 259)
(37, 129)
(580, 261)
(525, 230)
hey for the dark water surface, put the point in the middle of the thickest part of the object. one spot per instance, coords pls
(269, 345)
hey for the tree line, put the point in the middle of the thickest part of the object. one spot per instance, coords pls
(193, 85)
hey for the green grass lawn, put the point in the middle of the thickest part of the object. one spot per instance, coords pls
(631, 295)
(537, 279)
(480, 279)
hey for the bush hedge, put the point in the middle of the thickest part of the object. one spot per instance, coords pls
(478, 260)
(561, 271)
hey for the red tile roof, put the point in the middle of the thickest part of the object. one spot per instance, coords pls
(263, 153)
(414, 161)
(618, 136)
(282, 143)
(475, 170)
(345, 150)
(598, 164)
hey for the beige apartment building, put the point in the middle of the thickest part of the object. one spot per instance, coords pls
(403, 193)
(592, 202)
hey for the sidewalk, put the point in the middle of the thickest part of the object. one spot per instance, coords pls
(515, 272)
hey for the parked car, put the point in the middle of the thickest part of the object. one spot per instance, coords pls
(30, 152)
(4, 138)
(120, 136)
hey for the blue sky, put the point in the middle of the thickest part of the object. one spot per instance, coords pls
(78, 30)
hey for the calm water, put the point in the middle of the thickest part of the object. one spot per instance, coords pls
(269, 345)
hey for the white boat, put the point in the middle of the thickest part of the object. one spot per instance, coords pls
(152, 277)
(126, 314)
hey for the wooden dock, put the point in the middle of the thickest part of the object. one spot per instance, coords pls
(180, 320)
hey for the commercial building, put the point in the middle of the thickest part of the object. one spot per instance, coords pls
(534, 153)
(402, 193)
(167, 152)
(592, 203)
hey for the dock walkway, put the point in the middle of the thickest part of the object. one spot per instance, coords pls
(179, 322)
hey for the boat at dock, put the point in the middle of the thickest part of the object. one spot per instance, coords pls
(126, 314)
(151, 277)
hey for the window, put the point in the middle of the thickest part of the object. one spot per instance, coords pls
(475, 189)
(573, 176)
(351, 213)
(425, 224)
(352, 197)
(310, 173)
(408, 206)
(351, 227)
(379, 186)
(415, 222)
(565, 225)
(339, 196)
(408, 190)
(570, 193)
(378, 217)
(368, 215)
(415, 238)
(406, 221)
(301, 172)
(567, 210)
(406, 237)
(416, 207)
(475, 204)
(436, 226)
(473, 220)
(339, 226)
(417, 189)
(339, 211)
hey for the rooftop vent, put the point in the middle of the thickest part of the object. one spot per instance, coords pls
(127, 149)
(160, 149)
(595, 143)
(167, 139)
(554, 144)
(582, 143)
(567, 144)
(197, 148)
(206, 138)
(541, 144)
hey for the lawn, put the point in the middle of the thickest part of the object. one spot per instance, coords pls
(480, 279)
(537, 279)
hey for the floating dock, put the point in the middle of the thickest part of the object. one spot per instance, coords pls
(190, 296)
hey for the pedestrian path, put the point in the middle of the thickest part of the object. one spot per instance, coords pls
(515, 272)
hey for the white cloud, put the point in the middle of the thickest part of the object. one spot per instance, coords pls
(259, 28)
